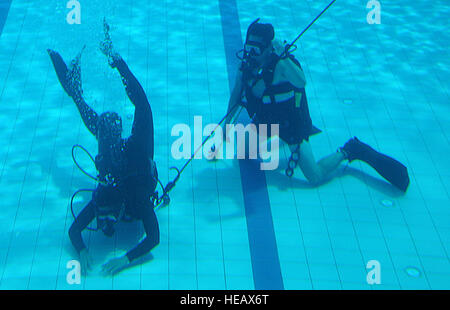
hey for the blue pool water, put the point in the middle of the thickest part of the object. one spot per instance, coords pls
(229, 224)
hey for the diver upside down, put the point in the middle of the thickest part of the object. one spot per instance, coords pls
(127, 173)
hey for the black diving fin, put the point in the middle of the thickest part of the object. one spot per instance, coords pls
(389, 168)
(70, 79)
(60, 68)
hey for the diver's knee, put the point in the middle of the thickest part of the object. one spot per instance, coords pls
(155, 240)
(155, 235)
(314, 182)
(314, 179)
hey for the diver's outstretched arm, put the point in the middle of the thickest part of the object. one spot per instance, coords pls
(132, 86)
(134, 90)
(142, 129)
(152, 235)
(88, 115)
(71, 82)
(80, 223)
(143, 119)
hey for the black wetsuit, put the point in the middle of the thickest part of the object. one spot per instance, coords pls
(294, 121)
(134, 173)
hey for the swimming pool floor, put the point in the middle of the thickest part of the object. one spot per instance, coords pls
(386, 84)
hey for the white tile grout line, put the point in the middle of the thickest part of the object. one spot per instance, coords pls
(301, 231)
(190, 115)
(68, 214)
(404, 219)
(12, 134)
(19, 36)
(363, 258)
(286, 152)
(423, 198)
(340, 182)
(49, 68)
(370, 192)
(167, 122)
(215, 165)
(428, 150)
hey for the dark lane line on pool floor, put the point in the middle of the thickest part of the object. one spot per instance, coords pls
(4, 9)
(261, 235)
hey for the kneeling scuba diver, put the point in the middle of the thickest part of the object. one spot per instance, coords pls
(271, 87)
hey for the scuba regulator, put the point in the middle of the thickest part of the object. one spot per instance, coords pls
(107, 217)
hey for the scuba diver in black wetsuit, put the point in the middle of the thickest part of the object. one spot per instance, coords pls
(127, 172)
(270, 84)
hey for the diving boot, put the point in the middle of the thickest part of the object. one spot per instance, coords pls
(355, 149)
